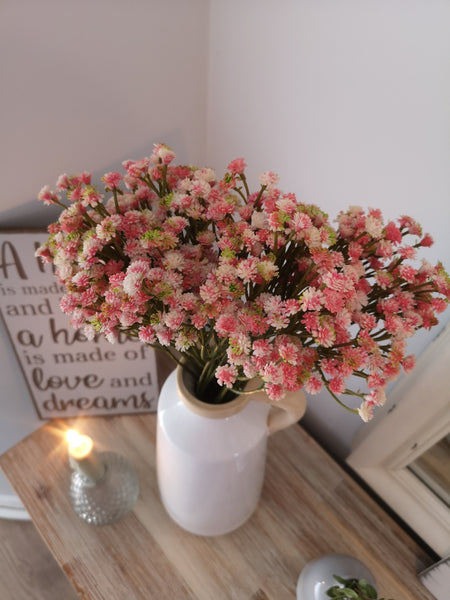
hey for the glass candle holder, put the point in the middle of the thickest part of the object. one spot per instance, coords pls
(105, 496)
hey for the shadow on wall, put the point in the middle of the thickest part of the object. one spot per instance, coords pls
(31, 215)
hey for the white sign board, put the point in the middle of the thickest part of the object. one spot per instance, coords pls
(67, 374)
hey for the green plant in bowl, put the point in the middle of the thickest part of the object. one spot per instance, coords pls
(353, 589)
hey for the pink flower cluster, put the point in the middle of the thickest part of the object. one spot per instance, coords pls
(243, 284)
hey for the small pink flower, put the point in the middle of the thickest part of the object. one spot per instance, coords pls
(78, 318)
(333, 301)
(147, 334)
(226, 375)
(129, 317)
(384, 279)
(338, 281)
(393, 233)
(267, 269)
(174, 319)
(268, 179)
(47, 196)
(291, 306)
(106, 230)
(409, 362)
(300, 222)
(439, 304)
(408, 273)
(75, 194)
(365, 411)
(374, 226)
(88, 298)
(287, 204)
(162, 154)
(410, 225)
(239, 344)
(311, 299)
(367, 321)
(164, 337)
(354, 251)
(89, 332)
(325, 335)
(112, 179)
(85, 177)
(276, 221)
(261, 348)
(63, 182)
(226, 324)
(199, 320)
(136, 169)
(313, 385)
(376, 380)
(376, 397)
(90, 197)
(427, 240)
(337, 385)
(206, 174)
(176, 224)
(135, 274)
(69, 302)
(407, 252)
(384, 248)
(274, 391)
(237, 166)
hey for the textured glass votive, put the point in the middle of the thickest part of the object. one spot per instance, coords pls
(107, 499)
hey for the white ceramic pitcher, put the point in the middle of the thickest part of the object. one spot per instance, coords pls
(211, 458)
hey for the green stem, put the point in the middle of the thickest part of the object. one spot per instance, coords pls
(165, 185)
(116, 202)
(238, 190)
(147, 179)
(244, 181)
(324, 379)
(209, 367)
(258, 198)
(60, 204)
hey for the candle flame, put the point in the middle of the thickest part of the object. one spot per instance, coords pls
(79, 445)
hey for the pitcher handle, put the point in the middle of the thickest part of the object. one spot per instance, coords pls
(284, 412)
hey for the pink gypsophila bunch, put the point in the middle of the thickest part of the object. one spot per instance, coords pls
(242, 284)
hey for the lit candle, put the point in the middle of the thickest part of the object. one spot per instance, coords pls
(83, 457)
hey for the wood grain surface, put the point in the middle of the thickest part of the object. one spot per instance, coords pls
(27, 569)
(309, 507)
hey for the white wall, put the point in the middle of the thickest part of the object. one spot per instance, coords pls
(88, 83)
(85, 85)
(349, 102)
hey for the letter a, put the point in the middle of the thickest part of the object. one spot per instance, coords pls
(8, 246)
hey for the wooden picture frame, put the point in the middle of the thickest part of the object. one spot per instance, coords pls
(418, 417)
(67, 375)
(437, 579)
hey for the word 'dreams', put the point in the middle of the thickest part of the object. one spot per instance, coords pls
(137, 402)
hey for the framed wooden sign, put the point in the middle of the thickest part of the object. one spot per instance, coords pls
(67, 374)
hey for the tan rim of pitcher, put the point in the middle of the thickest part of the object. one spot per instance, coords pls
(210, 411)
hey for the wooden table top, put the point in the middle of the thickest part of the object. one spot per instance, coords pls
(309, 507)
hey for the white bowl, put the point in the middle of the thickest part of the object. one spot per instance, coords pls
(317, 576)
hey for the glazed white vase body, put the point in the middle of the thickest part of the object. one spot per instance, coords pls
(210, 458)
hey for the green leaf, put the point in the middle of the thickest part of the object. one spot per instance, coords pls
(367, 590)
(351, 594)
(341, 579)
